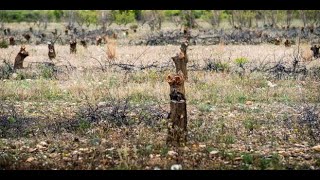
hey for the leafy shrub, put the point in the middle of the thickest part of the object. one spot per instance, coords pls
(6, 70)
(218, 66)
(134, 26)
(4, 44)
(241, 61)
(123, 17)
(47, 72)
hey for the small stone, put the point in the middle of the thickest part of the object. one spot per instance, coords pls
(283, 153)
(104, 141)
(30, 159)
(14, 76)
(53, 155)
(307, 157)
(176, 167)
(66, 159)
(40, 147)
(84, 149)
(75, 152)
(214, 152)
(172, 153)
(202, 146)
(156, 168)
(316, 148)
(249, 103)
(31, 150)
(231, 115)
(186, 148)
(101, 104)
(43, 143)
(270, 84)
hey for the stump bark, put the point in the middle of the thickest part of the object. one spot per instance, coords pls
(177, 125)
(181, 59)
(18, 62)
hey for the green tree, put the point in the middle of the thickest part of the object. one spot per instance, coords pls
(86, 17)
(58, 14)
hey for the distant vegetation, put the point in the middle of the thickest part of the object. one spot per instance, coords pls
(244, 18)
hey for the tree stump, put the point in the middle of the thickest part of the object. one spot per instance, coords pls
(52, 52)
(181, 59)
(177, 125)
(73, 46)
(18, 62)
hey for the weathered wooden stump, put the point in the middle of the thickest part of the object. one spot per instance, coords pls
(27, 37)
(315, 51)
(177, 125)
(181, 59)
(18, 62)
(287, 43)
(73, 46)
(52, 52)
(83, 43)
(98, 40)
(12, 42)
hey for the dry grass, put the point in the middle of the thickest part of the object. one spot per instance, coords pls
(111, 49)
(144, 55)
(241, 121)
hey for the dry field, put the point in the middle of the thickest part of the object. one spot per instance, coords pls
(102, 115)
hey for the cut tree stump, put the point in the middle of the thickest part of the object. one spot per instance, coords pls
(177, 125)
(176, 82)
(181, 59)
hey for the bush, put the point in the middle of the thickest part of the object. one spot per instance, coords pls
(4, 44)
(134, 26)
(6, 70)
(47, 72)
(170, 13)
(123, 17)
(218, 66)
(241, 61)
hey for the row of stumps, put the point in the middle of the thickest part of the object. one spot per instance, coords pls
(177, 125)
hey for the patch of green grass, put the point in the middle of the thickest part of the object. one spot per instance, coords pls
(205, 107)
(241, 61)
(114, 82)
(4, 44)
(141, 97)
(250, 123)
(11, 119)
(229, 139)
(317, 162)
(164, 150)
(145, 150)
(46, 72)
(264, 163)
(83, 124)
(242, 99)
(146, 76)
(247, 158)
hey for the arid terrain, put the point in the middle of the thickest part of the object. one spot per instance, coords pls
(248, 107)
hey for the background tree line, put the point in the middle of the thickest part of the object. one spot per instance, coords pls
(155, 18)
